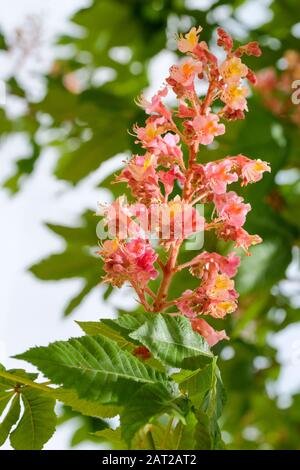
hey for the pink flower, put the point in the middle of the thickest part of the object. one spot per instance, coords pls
(244, 240)
(184, 304)
(219, 309)
(149, 134)
(175, 220)
(182, 77)
(141, 177)
(184, 111)
(184, 73)
(204, 329)
(206, 128)
(234, 95)
(231, 208)
(216, 295)
(164, 146)
(168, 178)
(131, 261)
(156, 106)
(241, 237)
(253, 171)
(168, 150)
(222, 287)
(224, 40)
(219, 174)
(232, 70)
(117, 217)
(188, 42)
(224, 264)
(252, 48)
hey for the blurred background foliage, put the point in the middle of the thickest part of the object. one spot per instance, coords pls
(85, 113)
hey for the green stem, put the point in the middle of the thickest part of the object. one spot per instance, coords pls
(150, 441)
(168, 430)
(25, 381)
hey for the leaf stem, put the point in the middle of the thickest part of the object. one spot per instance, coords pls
(150, 440)
(25, 381)
(168, 430)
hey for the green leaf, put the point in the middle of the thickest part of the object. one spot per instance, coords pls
(113, 437)
(3, 44)
(4, 399)
(183, 435)
(148, 402)
(94, 328)
(205, 390)
(87, 288)
(9, 384)
(10, 419)
(81, 235)
(76, 261)
(266, 265)
(202, 434)
(172, 341)
(127, 323)
(95, 366)
(207, 431)
(37, 423)
(85, 407)
(73, 262)
(196, 384)
(86, 432)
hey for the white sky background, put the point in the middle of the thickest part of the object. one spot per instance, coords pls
(31, 310)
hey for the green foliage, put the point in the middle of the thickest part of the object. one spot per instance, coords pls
(172, 340)
(10, 419)
(102, 378)
(95, 367)
(33, 427)
(76, 261)
(37, 423)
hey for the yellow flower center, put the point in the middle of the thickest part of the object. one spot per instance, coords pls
(147, 162)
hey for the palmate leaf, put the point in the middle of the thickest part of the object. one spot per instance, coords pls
(38, 419)
(95, 367)
(172, 341)
(37, 423)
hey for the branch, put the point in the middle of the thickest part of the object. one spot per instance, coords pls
(167, 277)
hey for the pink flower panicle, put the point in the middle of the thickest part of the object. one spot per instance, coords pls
(167, 180)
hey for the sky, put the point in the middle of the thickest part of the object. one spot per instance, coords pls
(30, 309)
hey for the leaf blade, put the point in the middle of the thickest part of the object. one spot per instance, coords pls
(172, 340)
(38, 422)
(95, 367)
